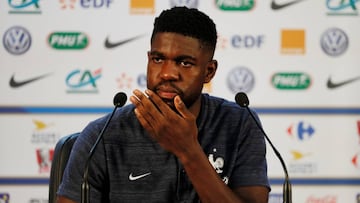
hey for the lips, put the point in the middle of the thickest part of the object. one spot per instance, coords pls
(167, 93)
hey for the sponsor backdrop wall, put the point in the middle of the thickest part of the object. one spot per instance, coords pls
(298, 60)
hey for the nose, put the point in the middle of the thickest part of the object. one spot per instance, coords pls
(169, 71)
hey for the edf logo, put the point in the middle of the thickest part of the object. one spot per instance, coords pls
(95, 3)
(247, 41)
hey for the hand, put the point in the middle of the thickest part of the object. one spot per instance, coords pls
(175, 132)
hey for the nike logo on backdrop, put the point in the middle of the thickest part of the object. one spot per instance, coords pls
(15, 83)
(276, 6)
(331, 85)
(132, 178)
(110, 45)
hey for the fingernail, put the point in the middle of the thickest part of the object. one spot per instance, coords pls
(178, 99)
(148, 92)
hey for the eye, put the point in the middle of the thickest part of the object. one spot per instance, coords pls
(157, 60)
(185, 64)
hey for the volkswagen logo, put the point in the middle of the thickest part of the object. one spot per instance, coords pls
(334, 42)
(187, 3)
(240, 79)
(17, 40)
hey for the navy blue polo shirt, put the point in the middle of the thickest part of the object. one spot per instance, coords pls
(128, 166)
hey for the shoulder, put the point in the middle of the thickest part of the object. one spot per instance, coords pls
(224, 109)
(121, 113)
(119, 117)
(220, 105)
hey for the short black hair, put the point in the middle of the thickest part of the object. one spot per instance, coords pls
(188, 22)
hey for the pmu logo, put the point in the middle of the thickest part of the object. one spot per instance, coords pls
(17, 40)
(334, 42)
(291, 81)
(68, 40)
(235, 5)
(24, 7)
(79, 81)
(341, 7)
(247, 41)
(303, 131)
(44, 158)
(4, 198)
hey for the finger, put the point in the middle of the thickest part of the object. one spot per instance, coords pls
(181, 107)
(143, 102)
(158, 102)
(144, 122)
(143, 107)
(134, 100)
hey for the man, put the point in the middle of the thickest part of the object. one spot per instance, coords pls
(173, 143)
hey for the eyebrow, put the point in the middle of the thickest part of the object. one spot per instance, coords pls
(177, 58)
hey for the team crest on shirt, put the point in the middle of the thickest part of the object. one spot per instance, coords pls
(218, 164)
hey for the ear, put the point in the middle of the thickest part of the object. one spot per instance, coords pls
(210, 70)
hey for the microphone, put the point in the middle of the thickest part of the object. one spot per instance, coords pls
(242, 100)
(119, 101)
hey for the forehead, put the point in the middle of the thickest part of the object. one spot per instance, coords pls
(168, 42)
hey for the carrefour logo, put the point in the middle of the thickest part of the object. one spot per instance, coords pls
(68, 40)
(235, 5)
(291, 81)
(301, 130)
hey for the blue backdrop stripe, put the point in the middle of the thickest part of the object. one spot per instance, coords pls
(102, 110)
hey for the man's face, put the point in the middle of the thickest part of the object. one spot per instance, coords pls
(178, 65)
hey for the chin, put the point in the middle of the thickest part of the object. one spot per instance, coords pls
(171, 104)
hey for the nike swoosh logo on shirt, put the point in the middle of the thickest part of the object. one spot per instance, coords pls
(331, 85)
(110, 45)
(132, 177)
(15, 83)
(276, 6)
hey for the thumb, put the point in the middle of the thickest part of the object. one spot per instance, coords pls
(181, 108)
